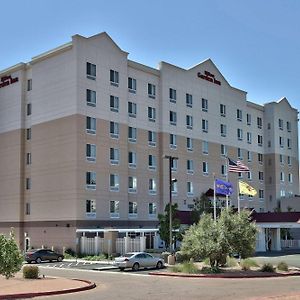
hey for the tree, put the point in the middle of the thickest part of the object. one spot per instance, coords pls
(231, 233)
(11, 258)
(164, 225)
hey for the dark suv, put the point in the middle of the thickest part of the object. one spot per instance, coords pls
(40, 255)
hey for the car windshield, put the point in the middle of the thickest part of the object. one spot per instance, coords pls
(128, 254)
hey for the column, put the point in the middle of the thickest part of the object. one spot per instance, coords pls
(261, 240)
(142, 242)
(277, 242)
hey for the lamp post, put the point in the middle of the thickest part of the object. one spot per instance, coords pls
(171, 159)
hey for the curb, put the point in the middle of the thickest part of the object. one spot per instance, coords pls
(90, 285)
(223, 276)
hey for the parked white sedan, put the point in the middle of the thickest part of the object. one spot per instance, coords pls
(136, 260)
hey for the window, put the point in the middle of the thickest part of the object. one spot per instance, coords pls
(28, 109)
(173, 117)
(248, 119)
(223, 110)
(132, 134)
(151, 114)
(239, 115)
(28, 183)
(223, 170)
(114, 182)
(114, 77)
(29, 85)
(281, 142)
(289, 143)
(282, 194)
(260, 175)
(281, 159)
(205, 167)
(280, 124)
(288, 126)
(249, 137)
(189, 122)
(223, 130)
(132, 184)
(204, 105)
(27, 209)
(91, 180)
(151, 162)
(132, 209)
(269, 144)
(259, 140)
(260, 158)
(132, 109)
(90, 208)
(239, 153)
(189, 144)
(90, 125)
(240, 134)
(114, 103)
(132, 85)
(151, 90)
(152, 209)
(249, 155)
(190, 166)
(240, 175)
(290, 178)
(259, 122)
(114, 130)
(172, 95)
(114, 156)
(189, 100)
(152, 138)
(152, 186)
(91, 98)
(249, 175)
(114, 209)
(173, 144)
(289, 161)
(132, 159)
(223, 150)
(28, 158)
(205, 147)
(28, 134)
(281, 176)
(269, 126)
(90, 152)
(90, 71)
(174, 165)
(204, 125)
(190, 189)
(174, 188)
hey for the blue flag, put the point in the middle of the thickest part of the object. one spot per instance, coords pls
(223, 187)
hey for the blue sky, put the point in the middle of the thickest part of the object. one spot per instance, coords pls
(255, 44)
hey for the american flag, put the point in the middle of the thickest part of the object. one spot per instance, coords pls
(237, 166)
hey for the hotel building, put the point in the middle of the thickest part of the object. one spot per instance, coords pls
(83, 133)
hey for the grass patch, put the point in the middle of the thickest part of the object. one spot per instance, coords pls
(210, 270)
(186, 267)
(282, 266)
(248, 263)
(95, 257)
(231, 262)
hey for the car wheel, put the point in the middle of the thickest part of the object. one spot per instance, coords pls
(38, 260)
(59, 258)
(159, 265)
(121, 269)
(135, 267)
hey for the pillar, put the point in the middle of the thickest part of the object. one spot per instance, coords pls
(261, 240)
(277, 242)
(110, 238)
(142, 243)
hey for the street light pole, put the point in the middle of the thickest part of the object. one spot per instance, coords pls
(171, 159)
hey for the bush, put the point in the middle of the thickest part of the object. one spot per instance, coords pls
(231, 262)
(31, 272)
(95, 257)
(181, 257)
(248, 263)
(69, 252)
(186, 267)
(282, 266)
(165, 256)
(210, 270)
(267, 268)
(206, 261)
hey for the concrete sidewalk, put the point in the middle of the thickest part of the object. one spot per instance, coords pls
(18, 287)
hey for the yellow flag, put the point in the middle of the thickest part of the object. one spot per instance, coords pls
(246, 189)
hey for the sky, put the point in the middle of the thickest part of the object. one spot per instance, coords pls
(254, 43)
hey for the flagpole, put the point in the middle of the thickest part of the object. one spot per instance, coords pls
(215, 202)
(238, 195)
(227, 200)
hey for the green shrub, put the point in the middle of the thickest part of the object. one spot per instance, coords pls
(267, 268)
(95, 257)
(181, 257)
(248, 263)
(210, 270)
(231, 262)
(206, 261)
(186, 267)
(282, 266)
(31, 272)
(69, 252)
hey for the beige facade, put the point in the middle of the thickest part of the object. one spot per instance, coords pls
(83, 131)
